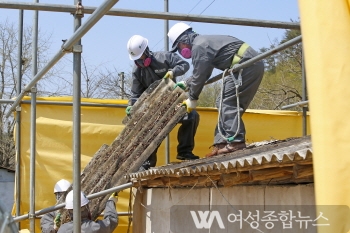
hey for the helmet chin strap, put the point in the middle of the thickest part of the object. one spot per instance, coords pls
(148, 59)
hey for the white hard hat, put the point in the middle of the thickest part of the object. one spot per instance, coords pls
(174, 33)
(136, 46)
(61, 186)
(69, 200)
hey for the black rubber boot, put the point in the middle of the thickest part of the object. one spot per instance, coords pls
(187, 156)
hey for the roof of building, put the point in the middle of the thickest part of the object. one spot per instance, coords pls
(274, 162)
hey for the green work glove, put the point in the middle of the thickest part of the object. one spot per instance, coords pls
(181, 84)
(190, 104)
(169, 74)
(128, 109)
(57, 221)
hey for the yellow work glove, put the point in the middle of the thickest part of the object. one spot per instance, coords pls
(114, 197)
(57, 221)
(190, 104)
(181, 84)
(169, 74)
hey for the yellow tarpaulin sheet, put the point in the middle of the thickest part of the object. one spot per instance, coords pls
(101, 125)
(326, 38)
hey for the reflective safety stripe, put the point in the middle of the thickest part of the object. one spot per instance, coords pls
(238, 56)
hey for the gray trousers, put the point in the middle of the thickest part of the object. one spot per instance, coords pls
(185, 137)
(251, 79)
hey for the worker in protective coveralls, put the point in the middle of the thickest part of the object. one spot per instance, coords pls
(47, 223)
(221, 52)
(150, 67)
(107, 225)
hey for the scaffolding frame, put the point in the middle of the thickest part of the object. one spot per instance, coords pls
(73, 44)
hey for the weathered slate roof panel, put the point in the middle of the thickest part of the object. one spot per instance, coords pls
(153, 116)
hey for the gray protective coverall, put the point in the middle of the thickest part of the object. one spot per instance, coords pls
(217, 51)
(143, 77)
(46, 222)
(107, 225)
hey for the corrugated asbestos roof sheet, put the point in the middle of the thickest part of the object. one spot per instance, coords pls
(288, 161)
(152, 117)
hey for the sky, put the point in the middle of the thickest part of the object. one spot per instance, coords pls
(105, 44)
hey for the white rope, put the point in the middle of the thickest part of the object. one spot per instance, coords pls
(237, 84)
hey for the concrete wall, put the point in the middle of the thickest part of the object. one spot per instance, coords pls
(168, 210)
(7, 187)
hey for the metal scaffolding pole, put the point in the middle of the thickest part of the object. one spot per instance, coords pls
(66, 47)
(18, 115)
(258, 58)
(64, 103)
(301, 103)
(166, 48)
(7, 223)
(90, 197)
(156, 15)
(77, 50)
(122, 77)
(33, 122)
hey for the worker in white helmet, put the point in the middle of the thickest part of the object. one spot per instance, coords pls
(221, 52)
(150, 67)
(107, 225)
(47, 223)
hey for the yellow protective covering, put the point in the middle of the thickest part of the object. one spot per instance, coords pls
(326, 39)
(54, 143)
(101, 125)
